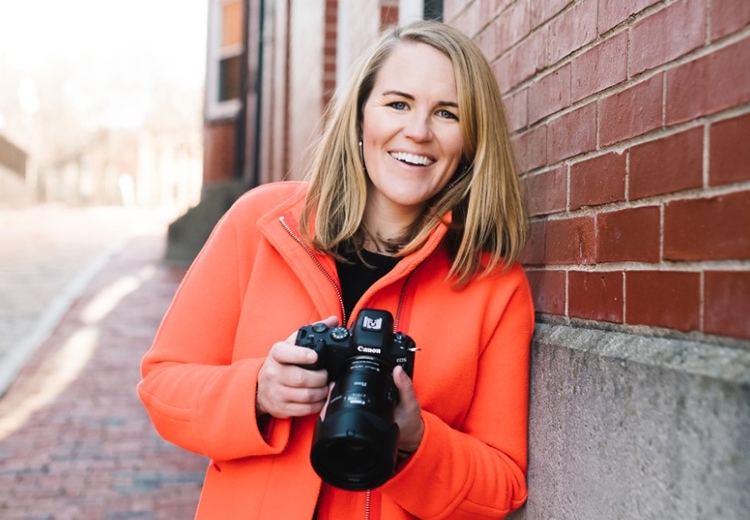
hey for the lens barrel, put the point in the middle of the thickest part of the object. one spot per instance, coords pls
(354, 448)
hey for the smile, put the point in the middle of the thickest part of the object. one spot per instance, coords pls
(410, 158)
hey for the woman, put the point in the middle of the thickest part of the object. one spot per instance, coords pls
(413, 206)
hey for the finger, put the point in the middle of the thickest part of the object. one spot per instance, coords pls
(305, 396)
(286, 409)
(284, 401)
(300, 377)
(328, 400)
(291, 354)
(408, 413)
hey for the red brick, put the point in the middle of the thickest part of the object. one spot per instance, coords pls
(614, 12)
(546, 192)
(468, 20)
(512, 25)
(727, 303)
(600, 67)
(523, 61)
(388, 14)
(573, 29)
(533, 251)
(595, 295)
(728, 16)
(543, 11)
(487, 44)
(531, 148)
(506, 71)
(632, 112)
(597, 181)
(667, 34)
(560, 242)
(549, 94)
(667, 165)
(570, 241)
(488, 9)
(451, 9)
(571, 134)
(729, 159)
(629, 235)
(716, 228)
(716, 82)
(548, 290)
(517, 109)
(663, 299)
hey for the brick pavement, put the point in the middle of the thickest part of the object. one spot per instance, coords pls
(75, 441)
(48, 254)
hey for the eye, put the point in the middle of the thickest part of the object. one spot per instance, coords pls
(398, 105)
(447, 114)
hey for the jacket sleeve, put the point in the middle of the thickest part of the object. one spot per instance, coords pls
(195, 395)
(477, 471)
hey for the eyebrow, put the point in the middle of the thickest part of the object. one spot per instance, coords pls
(409, 96)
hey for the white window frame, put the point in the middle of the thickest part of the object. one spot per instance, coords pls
(410, 10)
(216, 109)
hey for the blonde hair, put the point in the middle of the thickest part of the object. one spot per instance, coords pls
(489, 218)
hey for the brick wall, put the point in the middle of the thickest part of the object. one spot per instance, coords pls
(305, 52)
(219, 152)
(631, 122)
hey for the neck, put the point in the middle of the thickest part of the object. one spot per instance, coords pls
(387, 221)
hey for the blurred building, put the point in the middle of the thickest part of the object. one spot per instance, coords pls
(272, 67)
(14, 185)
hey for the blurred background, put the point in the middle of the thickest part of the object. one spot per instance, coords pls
(97, 97)
(128, 128)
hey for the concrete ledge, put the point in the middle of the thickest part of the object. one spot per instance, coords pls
(624, 426)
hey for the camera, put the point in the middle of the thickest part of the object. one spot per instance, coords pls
(355, 446)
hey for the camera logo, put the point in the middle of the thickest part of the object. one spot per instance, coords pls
(372, 323)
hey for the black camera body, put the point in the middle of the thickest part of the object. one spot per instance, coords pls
(370, 336)
(354, 448)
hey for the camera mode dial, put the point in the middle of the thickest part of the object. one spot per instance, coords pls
(339, 333)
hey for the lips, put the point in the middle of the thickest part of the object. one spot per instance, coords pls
(412, 159)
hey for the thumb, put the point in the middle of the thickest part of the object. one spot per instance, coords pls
(330, 321)
(404, 384)
(408, 414)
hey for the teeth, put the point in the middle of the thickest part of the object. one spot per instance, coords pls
(412, 159)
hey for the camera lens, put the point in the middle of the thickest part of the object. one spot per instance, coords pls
(352, 456)
(355, 446)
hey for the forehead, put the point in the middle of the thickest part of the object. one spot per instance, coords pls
(417, 68)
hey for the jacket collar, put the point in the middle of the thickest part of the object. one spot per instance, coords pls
(280, 226)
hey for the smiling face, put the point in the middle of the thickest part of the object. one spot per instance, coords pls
(410, 134)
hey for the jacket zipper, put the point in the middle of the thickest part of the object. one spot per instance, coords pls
(402, 297)
(320, 266)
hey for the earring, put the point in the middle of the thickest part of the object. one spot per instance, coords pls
(362, 155)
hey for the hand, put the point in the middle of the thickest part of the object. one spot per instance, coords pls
(408, 413)
(285, 389)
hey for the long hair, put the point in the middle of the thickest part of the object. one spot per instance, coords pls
(488, 225)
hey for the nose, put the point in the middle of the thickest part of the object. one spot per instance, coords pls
(418, 128)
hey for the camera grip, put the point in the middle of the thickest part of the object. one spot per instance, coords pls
(309, 337)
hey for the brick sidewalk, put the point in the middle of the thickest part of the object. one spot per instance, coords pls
(75, 441)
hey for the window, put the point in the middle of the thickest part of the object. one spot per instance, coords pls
(433, 10)
(420, 10)
(225, 54)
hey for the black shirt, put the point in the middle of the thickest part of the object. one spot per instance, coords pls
(356, 277)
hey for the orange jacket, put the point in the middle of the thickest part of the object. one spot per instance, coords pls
(254, 284)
